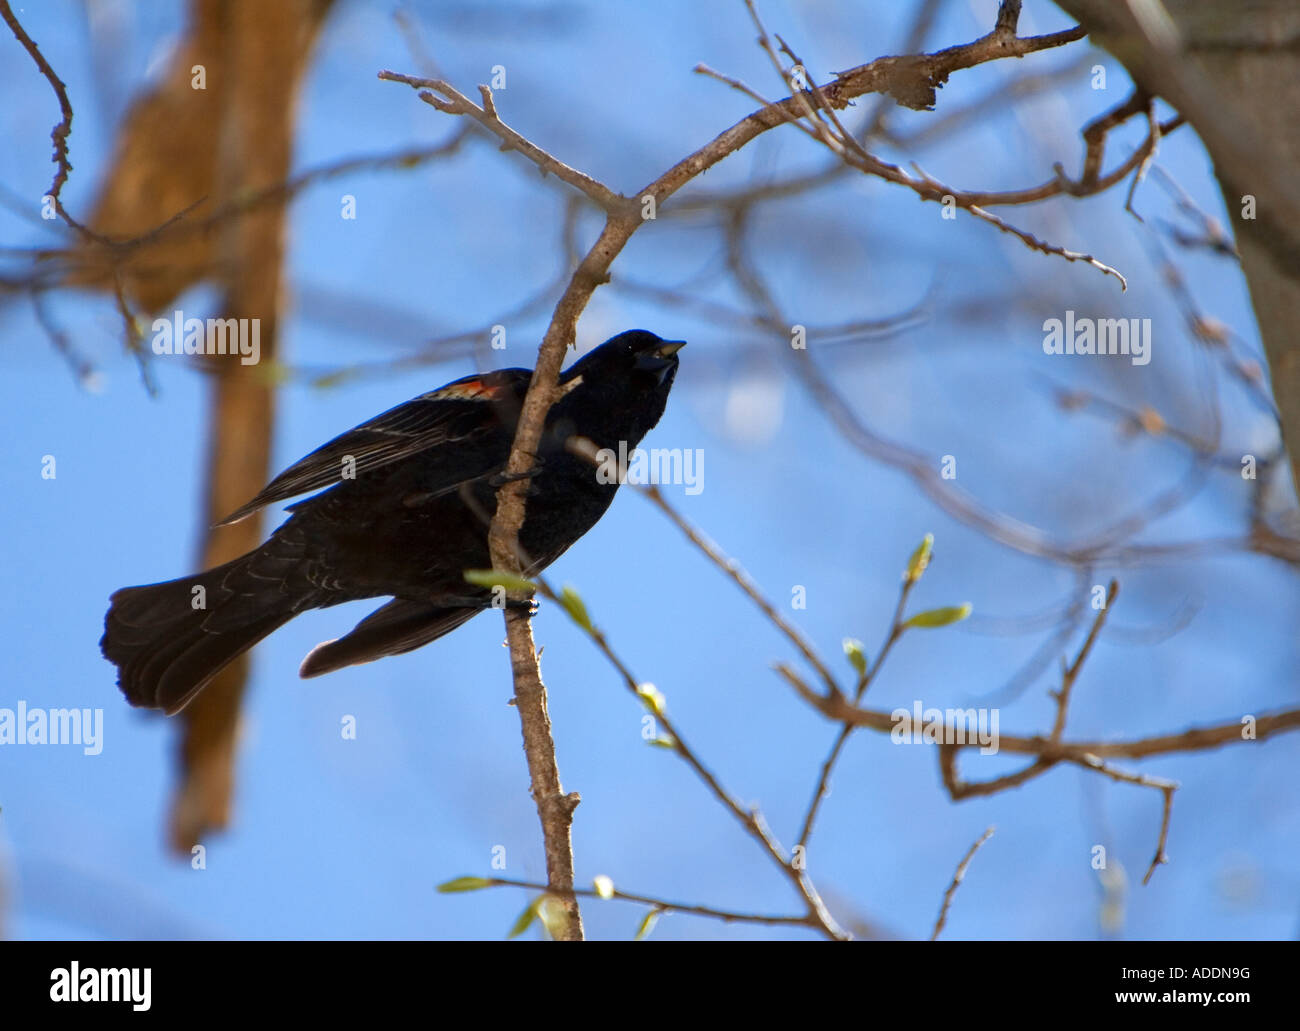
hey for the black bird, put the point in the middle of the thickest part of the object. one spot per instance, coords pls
(410, 495)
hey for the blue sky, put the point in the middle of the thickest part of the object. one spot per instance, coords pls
(333, 838)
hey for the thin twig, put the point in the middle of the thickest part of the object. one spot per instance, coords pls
(864, 681)
(453, 102)
(61, 131)
(956, 880)
(750, 818)
(664, 906)
(1164, 786)
(736, 573)
(1071, 672)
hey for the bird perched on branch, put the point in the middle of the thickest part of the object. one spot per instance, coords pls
(405, 513)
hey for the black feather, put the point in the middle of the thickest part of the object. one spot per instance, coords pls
(404, 512)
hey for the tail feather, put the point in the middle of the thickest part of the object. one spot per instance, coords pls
(167, 650)
(400, 626)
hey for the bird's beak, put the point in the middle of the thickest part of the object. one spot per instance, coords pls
(659, 361)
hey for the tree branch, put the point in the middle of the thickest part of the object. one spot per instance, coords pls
(957, 877)
(897, 76)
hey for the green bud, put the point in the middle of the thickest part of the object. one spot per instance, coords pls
(920, 559)
(496, 578)
(526, 918)
(646, 926)
(652, 697)
(939, 617)
(574, 606)
(857, 657)
(464, 884)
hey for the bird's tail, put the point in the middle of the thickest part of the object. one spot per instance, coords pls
(169, 640)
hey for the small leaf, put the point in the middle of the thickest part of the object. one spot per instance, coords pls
(663, 741)
(464, 884)
(857, 657)
(526, 918)
(646, 926)
(920, 559)
(496, 578)
(553, 915)
(604, 886)
(652, 697)
(939, 617)
(577, 610)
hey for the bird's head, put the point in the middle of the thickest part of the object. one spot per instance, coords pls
(627, 378)
(637, 355)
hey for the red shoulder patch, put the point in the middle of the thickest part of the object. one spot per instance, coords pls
(471, 388)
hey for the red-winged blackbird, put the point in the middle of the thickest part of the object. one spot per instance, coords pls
(411, 493)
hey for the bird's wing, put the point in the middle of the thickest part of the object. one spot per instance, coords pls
(451, 414)
(400, 626)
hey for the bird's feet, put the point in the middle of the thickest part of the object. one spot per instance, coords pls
(487, 602)
(502, 478)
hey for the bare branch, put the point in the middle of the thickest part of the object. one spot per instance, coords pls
(60, 133)
(970, 852)
(456, 103)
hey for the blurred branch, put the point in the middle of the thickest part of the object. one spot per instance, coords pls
(63, 169)
(185, 229)
(1104, 548)
(266, 51)
(1070, 673)
(1248, 728)
(1051, 750)
(1231, 71)
(957, 877)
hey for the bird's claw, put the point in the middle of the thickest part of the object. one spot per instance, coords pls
(501, 479)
